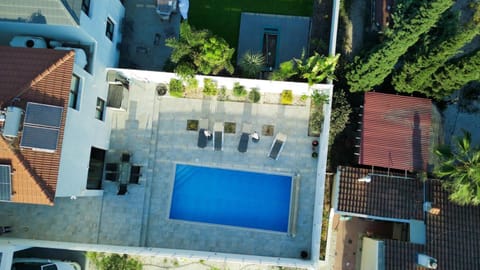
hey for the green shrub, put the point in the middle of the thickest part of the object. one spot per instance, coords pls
(319, 98)
(209, 87)
(304, 98)
(222, 94)
(254, 95)
(192, 84)
(104, 261)
(286, 97)
(316, 122)
(239, 90)
(176, 88)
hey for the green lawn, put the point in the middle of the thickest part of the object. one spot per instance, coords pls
(222, 17)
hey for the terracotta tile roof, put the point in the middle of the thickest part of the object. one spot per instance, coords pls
(400, 255)
(42, 76)
(453, 236)
(384, 196)
(396, 131)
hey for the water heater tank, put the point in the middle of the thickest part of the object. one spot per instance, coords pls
(28, 42)
(12, 121)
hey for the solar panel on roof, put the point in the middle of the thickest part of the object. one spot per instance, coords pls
(43, 115)
(5, 183)
(39, 138)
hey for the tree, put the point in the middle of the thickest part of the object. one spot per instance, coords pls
(416, 76)
(251, 64)
(317, 68)
(314, 69)
(455, 75)
(372, 70)
(340, 115)
(460, 169)
(199, 51)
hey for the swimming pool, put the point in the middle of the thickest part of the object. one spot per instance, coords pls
(230, 197)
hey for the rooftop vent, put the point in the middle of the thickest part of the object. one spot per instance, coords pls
(426, 261)
(367, 178)
(13, 118)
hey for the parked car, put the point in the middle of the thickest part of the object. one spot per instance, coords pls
(43, 264)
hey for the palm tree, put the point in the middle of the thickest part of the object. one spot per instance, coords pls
(251, 64)
(460, 169)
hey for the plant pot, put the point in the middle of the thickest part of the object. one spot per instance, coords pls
(304, 254)
(314, 155)
(161, 89)
(314, 143)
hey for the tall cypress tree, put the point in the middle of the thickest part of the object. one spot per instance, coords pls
(416, 76)
(455, 75)
(379, 63)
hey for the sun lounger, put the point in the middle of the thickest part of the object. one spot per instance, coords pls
(218, 136)
(277, 145)
(243, 143)
(202, 137)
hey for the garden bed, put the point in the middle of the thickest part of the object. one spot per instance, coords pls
(327, 205)
(209, 89)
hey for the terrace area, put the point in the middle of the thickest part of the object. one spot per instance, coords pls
(154, 131)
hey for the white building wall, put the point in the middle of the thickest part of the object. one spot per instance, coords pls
(82, 129)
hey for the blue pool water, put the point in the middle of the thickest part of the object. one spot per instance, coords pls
(229, 197)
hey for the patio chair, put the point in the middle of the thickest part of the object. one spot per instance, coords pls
(202, 133)
(277, 146)
(218, 136)
(243, 143)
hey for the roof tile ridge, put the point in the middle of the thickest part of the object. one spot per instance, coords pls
(46, 72)
(48, 195)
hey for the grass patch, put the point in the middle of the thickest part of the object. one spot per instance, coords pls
(222, 17)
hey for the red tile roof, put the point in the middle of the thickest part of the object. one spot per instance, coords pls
(385, 195)
(42, 76)
(396, 131)
(453, 236)
(400, 255)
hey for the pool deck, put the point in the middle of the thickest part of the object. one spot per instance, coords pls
(156, 134)
(154, 131)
